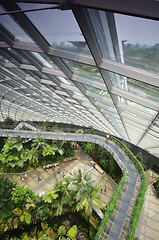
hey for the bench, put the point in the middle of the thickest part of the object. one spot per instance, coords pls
(96, 167)
(69, 159)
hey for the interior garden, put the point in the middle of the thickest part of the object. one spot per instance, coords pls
(65, 210)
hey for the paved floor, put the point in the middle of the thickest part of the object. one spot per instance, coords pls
(51, 176)
(148, 227)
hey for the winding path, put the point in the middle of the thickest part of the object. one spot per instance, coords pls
(131, 179)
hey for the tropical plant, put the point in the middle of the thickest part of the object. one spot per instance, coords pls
(69, 235)
(79, 131)
(50, 195)
(8, 121)
(39, 143)
(11, 155)
(31, 155)
(65, 198)
(50, 150)
(6, 188)
(12, 144)
(86, 191)
(21, 194)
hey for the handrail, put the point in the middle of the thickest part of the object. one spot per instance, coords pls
(142, 191)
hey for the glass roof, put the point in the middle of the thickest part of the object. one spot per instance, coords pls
(60, 29)
(83, 66)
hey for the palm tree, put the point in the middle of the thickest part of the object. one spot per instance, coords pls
(39, 143)
(51, 150)
(12, 144)
(31, 155)
(48, 150)
(80, 182)
(86, 191)
(58, 146)
(88, 199)
(50, 195)
(65, 198)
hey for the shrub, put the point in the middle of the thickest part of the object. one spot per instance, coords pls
(8, 121)
(79, 131)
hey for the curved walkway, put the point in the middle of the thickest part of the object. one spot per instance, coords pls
(130, 185)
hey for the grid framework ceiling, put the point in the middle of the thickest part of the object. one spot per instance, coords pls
(89, 64)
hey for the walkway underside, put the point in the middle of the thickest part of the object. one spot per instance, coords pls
(116, 227)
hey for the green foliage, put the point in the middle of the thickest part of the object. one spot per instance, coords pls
(15, 157)
(144, 57)
(47, 124)
(28, 218)
(89, 148)
(50, 195)
(62, 230)
(80, 131)
(8, 121)
(31, 155)
(48, 150)
(39, 143)
(104, 158)
(6, 204)
(12, 153)
(139, 156)
(25, 208)
(91, 130)
(21, 194)
(72, 232)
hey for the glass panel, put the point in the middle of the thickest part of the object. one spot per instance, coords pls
(22, 71)
(17, 55)
(134, 117)
(138, 106)
(100, 23)
(44, 60)
(58, 27)
(12, 27)
(97, 90)
(84, 70)
(134, 86)
(65, 81)
(49, 61)
(127, 39)
(8, 71)
(140, 41)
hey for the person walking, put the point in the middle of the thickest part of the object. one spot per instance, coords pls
(105, 189)
(63, 174)
(22, 179)
(101, 190)
(38, 178)
(107, 137)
